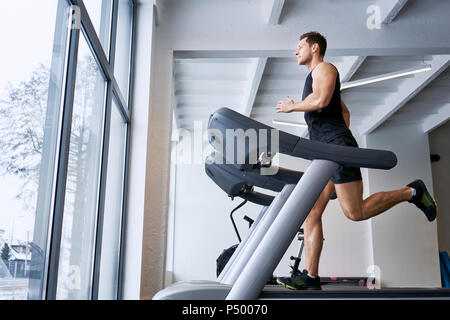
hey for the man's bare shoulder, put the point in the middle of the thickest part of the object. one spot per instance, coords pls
(325, 69)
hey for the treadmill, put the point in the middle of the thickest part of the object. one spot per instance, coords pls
(257, 256)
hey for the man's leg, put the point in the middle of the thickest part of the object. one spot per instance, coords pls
(355, 208)
(313, 232)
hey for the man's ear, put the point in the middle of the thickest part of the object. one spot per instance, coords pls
(315, 47)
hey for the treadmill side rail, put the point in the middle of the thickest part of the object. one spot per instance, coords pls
(269, 252)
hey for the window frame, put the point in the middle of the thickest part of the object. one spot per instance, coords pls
(106, 65)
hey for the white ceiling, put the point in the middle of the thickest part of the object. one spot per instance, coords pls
(253, 85)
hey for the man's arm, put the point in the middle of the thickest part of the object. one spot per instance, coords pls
(324, 76)
(345, 114)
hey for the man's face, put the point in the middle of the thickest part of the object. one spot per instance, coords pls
(303, 53)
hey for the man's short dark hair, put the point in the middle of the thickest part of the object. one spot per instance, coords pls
(315, 37)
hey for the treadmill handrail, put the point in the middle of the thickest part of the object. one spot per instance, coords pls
(349, 156)
(225, 118)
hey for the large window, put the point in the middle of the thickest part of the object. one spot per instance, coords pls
(112, 218)
(82, 182)
(28, 93)
(100, 14)
(63, 142)
(123, 51)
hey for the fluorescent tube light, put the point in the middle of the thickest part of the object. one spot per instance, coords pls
(383, 77)
(290, 123)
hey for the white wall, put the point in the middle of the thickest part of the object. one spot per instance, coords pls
(242, 25)
(137, 183)
(439, 144)
(202, 225)
(405, 244)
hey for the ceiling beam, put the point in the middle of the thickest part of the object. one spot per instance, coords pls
(273, 10)
(239, 26)
(379, 51)
(392, 11)
(350, 66)
(434, 121)
(407, 89)
(256, 73)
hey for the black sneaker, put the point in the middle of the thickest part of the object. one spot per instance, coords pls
(423, 200)
(300, 282)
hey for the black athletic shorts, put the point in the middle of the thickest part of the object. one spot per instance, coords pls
(345, 174)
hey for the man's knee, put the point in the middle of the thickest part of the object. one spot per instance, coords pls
(353, 214)
(350, 199)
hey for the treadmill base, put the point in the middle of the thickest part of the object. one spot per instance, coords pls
(211, 290)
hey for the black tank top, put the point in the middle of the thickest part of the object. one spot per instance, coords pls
(327, 123)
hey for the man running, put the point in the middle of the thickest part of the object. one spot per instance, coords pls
(328, 121)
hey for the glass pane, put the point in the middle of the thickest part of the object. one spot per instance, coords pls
(81, 198)
(31, 64)
(112, 222)
(100, 13)
(123, 46)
